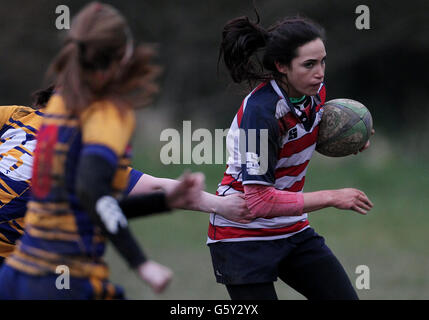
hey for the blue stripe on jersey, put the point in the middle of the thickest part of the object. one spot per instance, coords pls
(3, 189)
(135, 175)
(22, 150)
(5, 128)
(103, 151)
(9, 232)
(17, 186)
(16, 208)
(55, 116)
(19, 123)
(17, 226)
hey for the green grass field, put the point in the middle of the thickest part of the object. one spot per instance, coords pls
(391, 240)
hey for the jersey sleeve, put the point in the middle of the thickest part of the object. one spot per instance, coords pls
(6, 112)
(259, 134)
(133, 176)
(106, 131)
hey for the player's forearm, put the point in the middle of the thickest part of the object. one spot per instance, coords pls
(208, 203)
(268, 202)
(317, 200)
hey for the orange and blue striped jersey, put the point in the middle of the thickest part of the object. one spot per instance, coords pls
(57, 229)
(18, 129)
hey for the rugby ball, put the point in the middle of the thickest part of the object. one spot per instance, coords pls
(344, 129)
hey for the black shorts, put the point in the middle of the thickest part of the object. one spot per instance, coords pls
(247, 262)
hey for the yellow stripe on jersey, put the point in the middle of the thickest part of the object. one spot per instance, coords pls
(11, 223)
(79, 267)
(8, 189)
(101, 124)
(66, 122)
(20, 222)
(64, 222)
(26, 116)
(97, 288)
(3, 239)
(7, 197)
(17, 155)
(51, 234)
(60, 158)
(111, 291)
(52, 207)
(18, 265)
(6, 247)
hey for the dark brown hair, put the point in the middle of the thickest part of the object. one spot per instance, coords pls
(41, 97)
(100, 40)
(242, 40)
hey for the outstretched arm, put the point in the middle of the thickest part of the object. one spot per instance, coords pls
(268, 202)
(232, 207)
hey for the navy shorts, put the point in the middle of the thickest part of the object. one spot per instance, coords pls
(246, 262)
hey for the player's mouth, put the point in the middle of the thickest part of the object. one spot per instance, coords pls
(316, 85)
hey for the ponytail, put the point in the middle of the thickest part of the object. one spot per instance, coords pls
(69, 72)
(241, 40)
(100, 40)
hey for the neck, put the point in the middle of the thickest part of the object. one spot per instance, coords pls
(290, 90)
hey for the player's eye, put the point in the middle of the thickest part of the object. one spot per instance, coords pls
(309, 65)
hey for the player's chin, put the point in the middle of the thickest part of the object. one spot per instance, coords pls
(312, 90)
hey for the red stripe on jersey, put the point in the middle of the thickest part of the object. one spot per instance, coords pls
(322, 95)
(241, 110)
(292, 171)
(297, 186)
(221, 233)
(289, 121)
(300, 144)
(229, 180)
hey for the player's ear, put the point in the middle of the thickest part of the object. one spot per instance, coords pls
(282, 68)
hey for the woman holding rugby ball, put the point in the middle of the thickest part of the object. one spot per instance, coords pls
(285, 65)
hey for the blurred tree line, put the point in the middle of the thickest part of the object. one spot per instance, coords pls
(385, 67)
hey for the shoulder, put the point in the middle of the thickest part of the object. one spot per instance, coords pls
(18, 115)
(55, 106)
(8, 111)
(261, 102)
(106, 112)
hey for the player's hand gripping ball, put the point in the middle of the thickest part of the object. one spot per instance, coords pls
(345, 128)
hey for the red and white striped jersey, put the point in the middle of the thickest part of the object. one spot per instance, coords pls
(291, 136)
